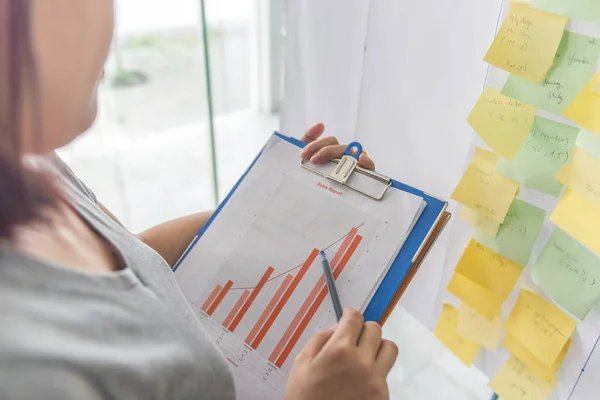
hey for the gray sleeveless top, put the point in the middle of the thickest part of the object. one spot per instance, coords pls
(69, 335)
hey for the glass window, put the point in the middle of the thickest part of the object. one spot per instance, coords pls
(149, 156)
(245, 41)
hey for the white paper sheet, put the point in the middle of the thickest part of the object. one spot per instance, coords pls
(276, 218)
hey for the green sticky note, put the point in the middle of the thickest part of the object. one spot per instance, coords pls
(546, 150)
(590, 142)
(585, 10)
(568, 273)
(574, 66)
(518, 234)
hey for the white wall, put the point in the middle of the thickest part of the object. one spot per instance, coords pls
(399, 76)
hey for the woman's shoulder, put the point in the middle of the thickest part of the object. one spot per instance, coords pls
(67, 173)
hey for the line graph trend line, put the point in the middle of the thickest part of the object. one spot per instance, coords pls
(297, 266)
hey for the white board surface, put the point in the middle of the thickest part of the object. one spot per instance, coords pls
(403, 80)
(586, 335)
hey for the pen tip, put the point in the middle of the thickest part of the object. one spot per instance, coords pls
(322, 253)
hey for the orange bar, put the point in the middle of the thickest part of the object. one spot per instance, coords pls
(343, 247)
(220, 297)
(317, 303)
(284, 285)
(211, 298)
(348, 255)
(250, 300)
(288, 333)
(236, 307)
(311, 297)
(286, 296)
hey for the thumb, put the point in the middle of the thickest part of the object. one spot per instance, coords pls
(365, 162)
(315, 344)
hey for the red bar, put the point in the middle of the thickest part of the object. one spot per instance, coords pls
(284, 285)
(251, 299)
(211, 298)
(297, 319)
(286, 296)
(311, 297)
(220, 297)
(343, 247)
(236, 307)
(317, 303)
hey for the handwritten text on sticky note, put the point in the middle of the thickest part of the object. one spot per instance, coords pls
(446, 331)
(574, 65)
(547, 149)
(568, 273)
(479, 329)
(488, 269)
(540, 326)
(480, 222)
(518, 233)
(519, 351)
(502, 122)
(527, 42)
(485, 192)
(516, 381)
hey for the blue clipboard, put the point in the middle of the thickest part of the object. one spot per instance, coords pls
(404, 262)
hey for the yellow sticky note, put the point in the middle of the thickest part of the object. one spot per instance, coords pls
(582, 175)
(479, 329)
(481, 300)
(483, 224)
(540, 327)
(446, 331)
(516, 381)
(489, 269)
(484, 191)
(502, 122)
(584, 109)
(485, 159)
(580, 218)
(519, 351)
(527, 42)
(596, 84)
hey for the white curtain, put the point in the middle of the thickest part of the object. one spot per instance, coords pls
(399, 76)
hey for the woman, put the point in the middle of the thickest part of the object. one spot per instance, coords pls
(87, 310)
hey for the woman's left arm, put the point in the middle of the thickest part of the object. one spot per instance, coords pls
(172, 238)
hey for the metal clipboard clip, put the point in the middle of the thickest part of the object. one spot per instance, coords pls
(346, 171)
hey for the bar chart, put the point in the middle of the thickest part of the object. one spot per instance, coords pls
(287, 286)
(313, 301)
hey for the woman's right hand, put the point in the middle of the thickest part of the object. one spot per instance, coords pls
(349, 362)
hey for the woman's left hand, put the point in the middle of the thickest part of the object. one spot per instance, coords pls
(319, 151)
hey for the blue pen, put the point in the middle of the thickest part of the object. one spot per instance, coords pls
(335, 298)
